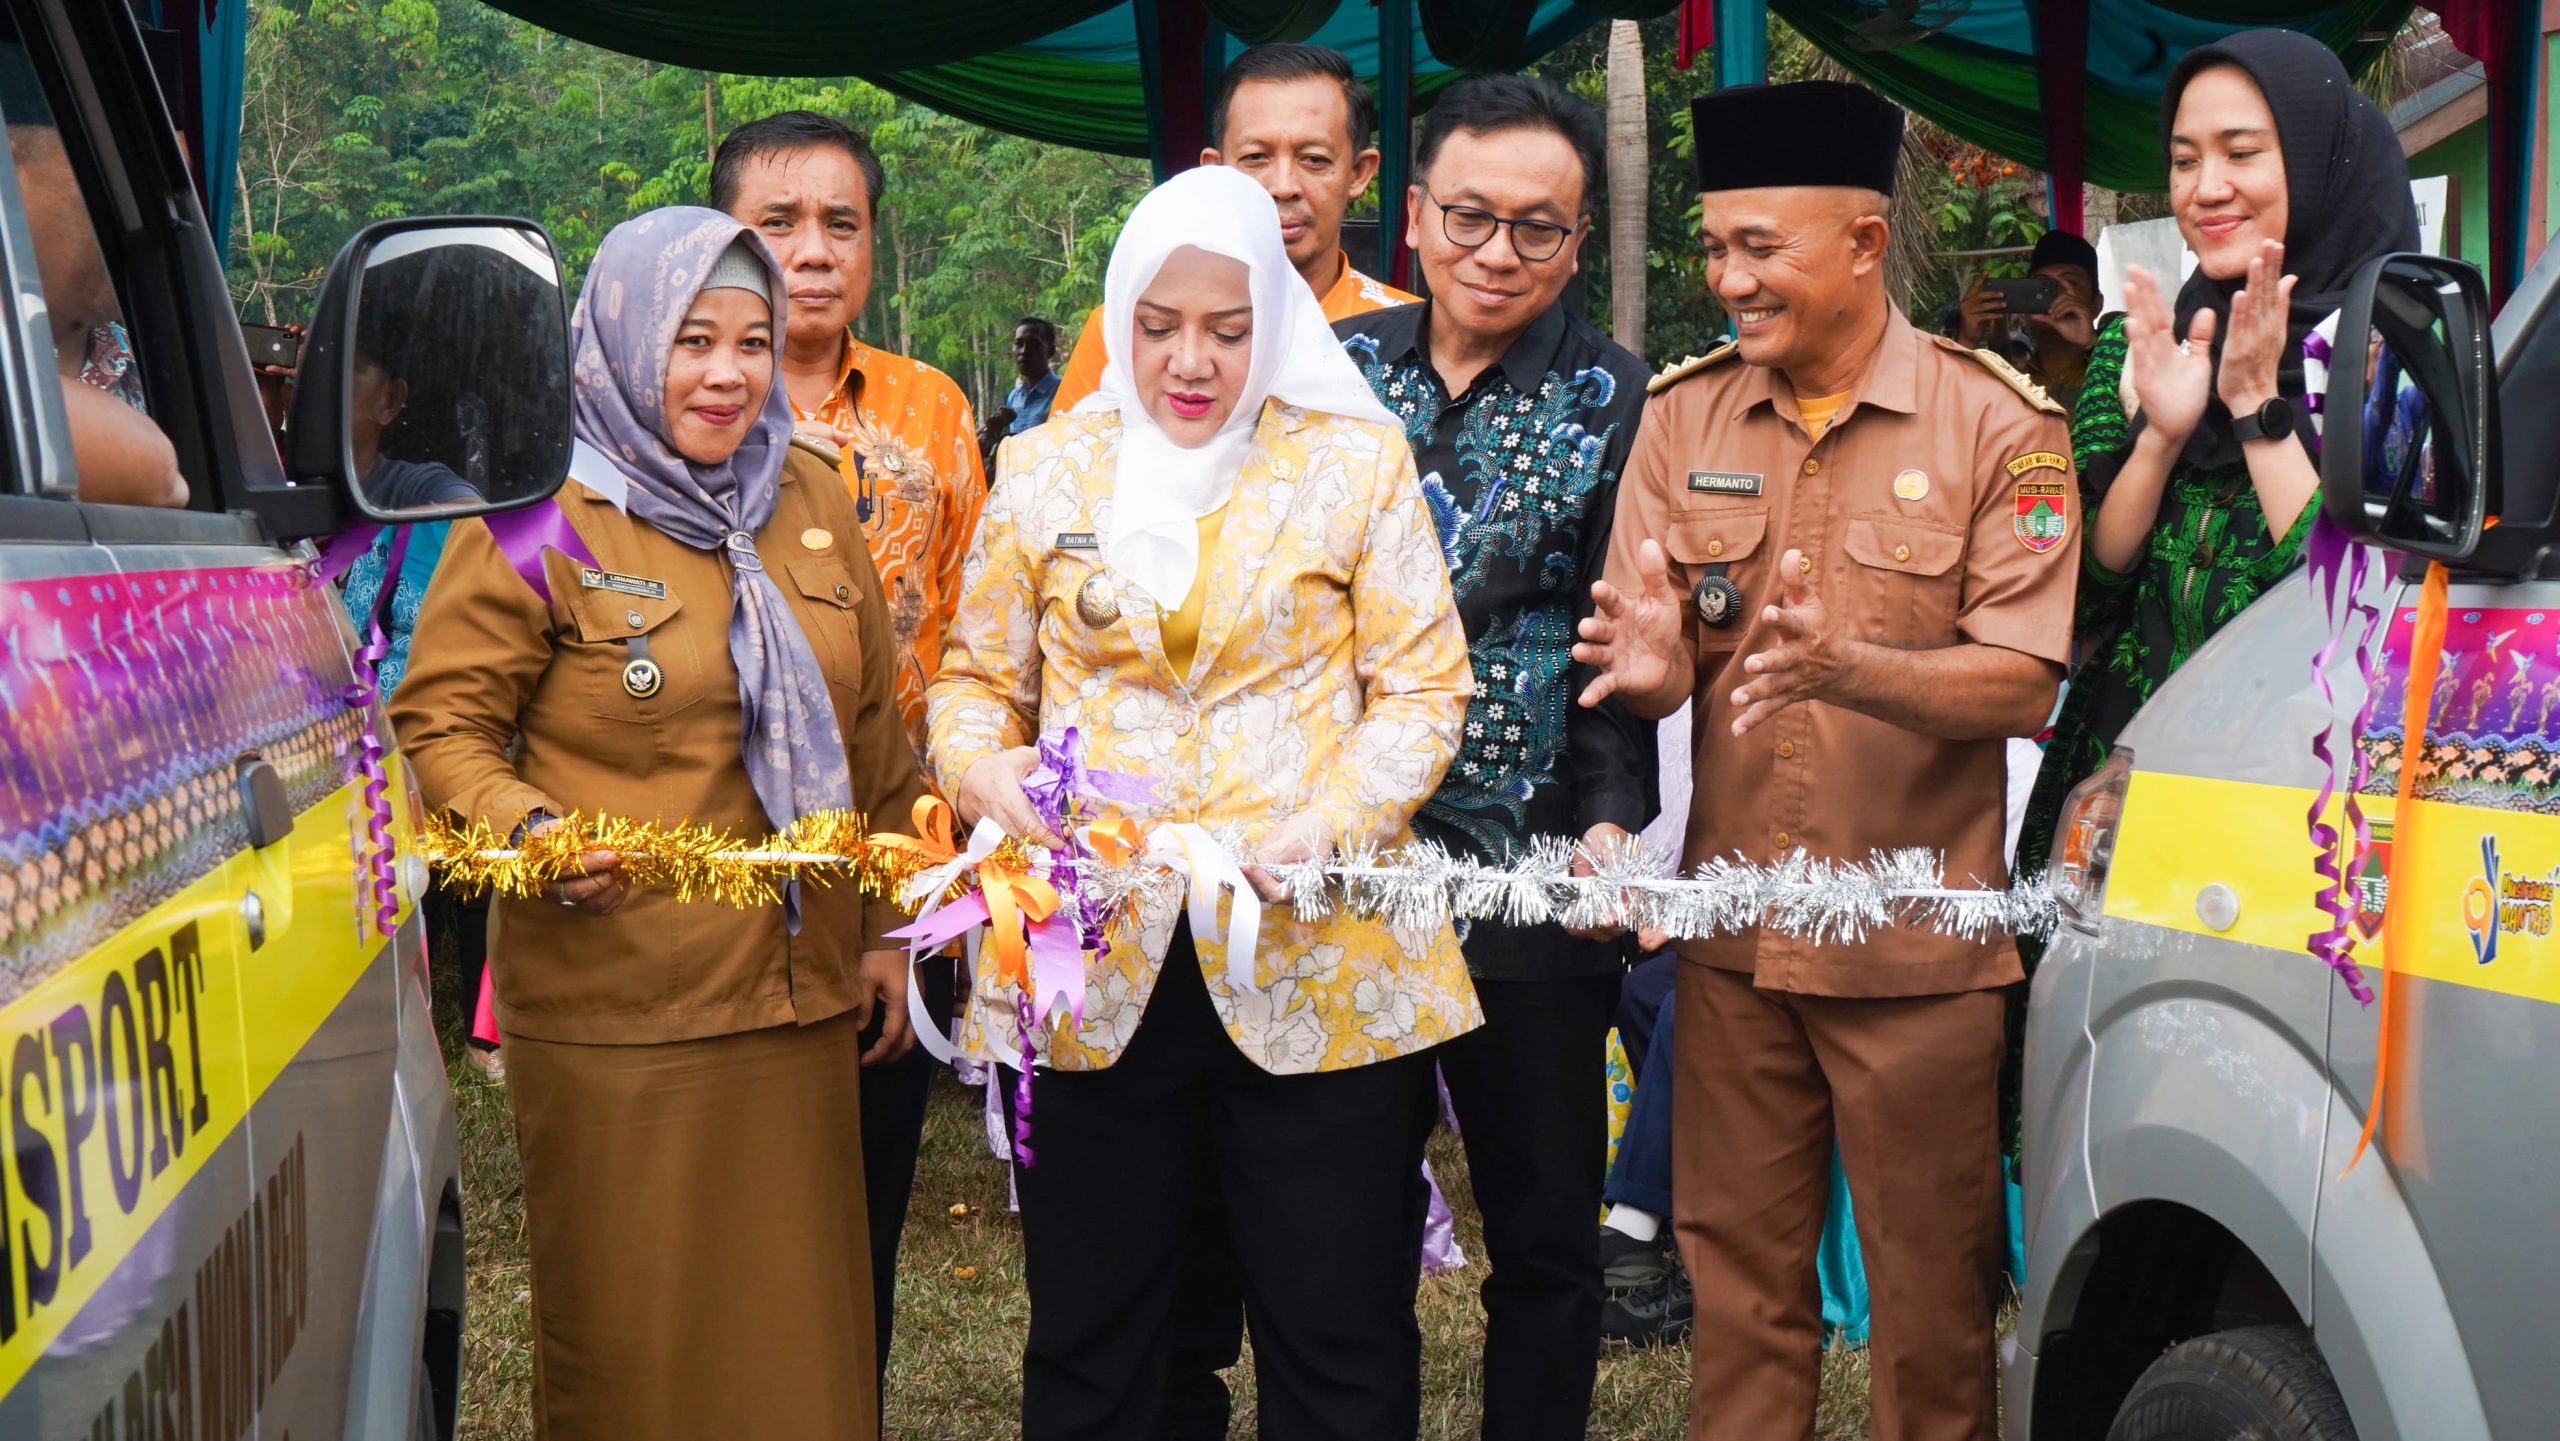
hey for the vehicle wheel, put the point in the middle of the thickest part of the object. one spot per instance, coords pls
(2260, 1383)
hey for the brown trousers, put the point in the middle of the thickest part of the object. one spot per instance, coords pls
(1766, 1081)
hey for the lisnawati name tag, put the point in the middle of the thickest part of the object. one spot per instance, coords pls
(594, 579)
(1078, 540)
(1725, 482)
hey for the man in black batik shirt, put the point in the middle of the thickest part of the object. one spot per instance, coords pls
(1521, 417)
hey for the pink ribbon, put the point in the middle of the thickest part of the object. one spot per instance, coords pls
(2332, 556)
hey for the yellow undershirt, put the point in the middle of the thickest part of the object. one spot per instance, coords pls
(1182, 627)
(1819, 411)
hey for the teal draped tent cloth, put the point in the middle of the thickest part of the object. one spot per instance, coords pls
(1069, 70)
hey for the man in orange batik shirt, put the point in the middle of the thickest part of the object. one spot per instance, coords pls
(909, 453)
(1297, 120)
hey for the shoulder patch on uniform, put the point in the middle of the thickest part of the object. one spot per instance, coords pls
(1672, 375)
(2039, 460)
(2010, 375)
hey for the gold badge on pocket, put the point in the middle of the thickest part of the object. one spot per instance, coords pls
(1097, 604)
(642, 678)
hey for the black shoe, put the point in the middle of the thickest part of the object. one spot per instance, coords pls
(1627, 1264)
(1658, 1316)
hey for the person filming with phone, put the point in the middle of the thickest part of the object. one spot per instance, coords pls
(2056, 306)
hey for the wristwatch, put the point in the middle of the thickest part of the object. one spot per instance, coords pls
(2271, 421)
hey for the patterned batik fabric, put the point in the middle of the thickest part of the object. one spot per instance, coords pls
(1330, 677)
(918, 486)
(1521, 476)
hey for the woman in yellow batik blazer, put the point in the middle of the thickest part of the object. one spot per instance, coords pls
(1221, 571)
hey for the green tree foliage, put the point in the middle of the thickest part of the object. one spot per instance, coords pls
(357, 110)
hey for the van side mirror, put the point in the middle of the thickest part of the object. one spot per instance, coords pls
(435, 382)
(2409, 453)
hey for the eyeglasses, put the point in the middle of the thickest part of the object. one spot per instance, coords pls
(1468, 228)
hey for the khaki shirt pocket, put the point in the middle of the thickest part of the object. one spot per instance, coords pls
(833, 605)
(1726, 535)
(1904, 588)
(602, 667)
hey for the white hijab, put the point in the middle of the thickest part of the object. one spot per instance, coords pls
(1159, 490)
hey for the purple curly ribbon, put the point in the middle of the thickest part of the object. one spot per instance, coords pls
(1022, 1081)
(378, 884)
(2331, 554)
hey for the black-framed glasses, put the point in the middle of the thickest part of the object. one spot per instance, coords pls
(1469, 227)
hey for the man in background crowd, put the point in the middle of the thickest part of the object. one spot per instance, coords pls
(1035, 344)
(2061, 336)
(908, 451)
(1298, 121)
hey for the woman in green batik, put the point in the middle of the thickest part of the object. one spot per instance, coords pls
(2285, 181)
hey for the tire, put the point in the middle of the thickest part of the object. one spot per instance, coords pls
(2260, 1383)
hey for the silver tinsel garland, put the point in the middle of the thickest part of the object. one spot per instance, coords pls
(1823, 901)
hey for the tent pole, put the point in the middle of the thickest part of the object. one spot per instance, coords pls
(1742, 42)
(1395, 136)
(2061, 29)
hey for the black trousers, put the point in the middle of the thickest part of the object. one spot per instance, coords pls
(1530, 1092)
(1312, 1175)
(893, 1106)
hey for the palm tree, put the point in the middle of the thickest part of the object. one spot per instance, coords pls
(1627, 183)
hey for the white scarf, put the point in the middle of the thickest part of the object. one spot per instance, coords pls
(1159, 490)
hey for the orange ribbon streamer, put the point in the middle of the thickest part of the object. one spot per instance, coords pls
(1015, 900)
(934, 839)
(2399, 915)
(1114, 841)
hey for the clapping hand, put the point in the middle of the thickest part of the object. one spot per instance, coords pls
(1802, 664)
(1635, 641)
(2253, 352)
(2171, 385)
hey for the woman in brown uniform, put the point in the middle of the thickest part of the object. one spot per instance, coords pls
(684, 1075)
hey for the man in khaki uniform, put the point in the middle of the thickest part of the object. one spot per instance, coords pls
(1854, 544)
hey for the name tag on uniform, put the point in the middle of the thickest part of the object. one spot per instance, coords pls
(1725, 482)
(1078, 540)
(594, 579)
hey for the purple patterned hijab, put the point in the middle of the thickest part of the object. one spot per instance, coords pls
(643, 281)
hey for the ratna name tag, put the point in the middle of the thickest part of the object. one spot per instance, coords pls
(594, 579)
(1725, 482)
(1078, 540)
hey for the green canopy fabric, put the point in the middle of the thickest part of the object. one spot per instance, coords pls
(1974, 72)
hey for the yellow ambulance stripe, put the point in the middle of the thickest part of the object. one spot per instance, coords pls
(2182, 833)
(258, 1009)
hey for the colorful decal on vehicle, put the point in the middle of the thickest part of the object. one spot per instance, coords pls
(2486, 802)
(2489, 740)
(130, 700)
(136, 1030)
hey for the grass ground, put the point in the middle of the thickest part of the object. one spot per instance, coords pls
(962, 1309)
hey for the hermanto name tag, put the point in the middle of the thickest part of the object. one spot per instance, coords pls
(1078, 540)
(594, 579)
(1725, 482)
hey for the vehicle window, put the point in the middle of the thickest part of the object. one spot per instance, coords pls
(119, 452)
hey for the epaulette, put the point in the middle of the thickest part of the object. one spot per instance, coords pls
(1673, 374)
(819, 448)
(2010, 376)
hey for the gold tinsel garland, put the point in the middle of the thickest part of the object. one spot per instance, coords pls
(695, 862)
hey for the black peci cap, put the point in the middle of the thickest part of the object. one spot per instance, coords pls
(1812, 132)
(2061, 247)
